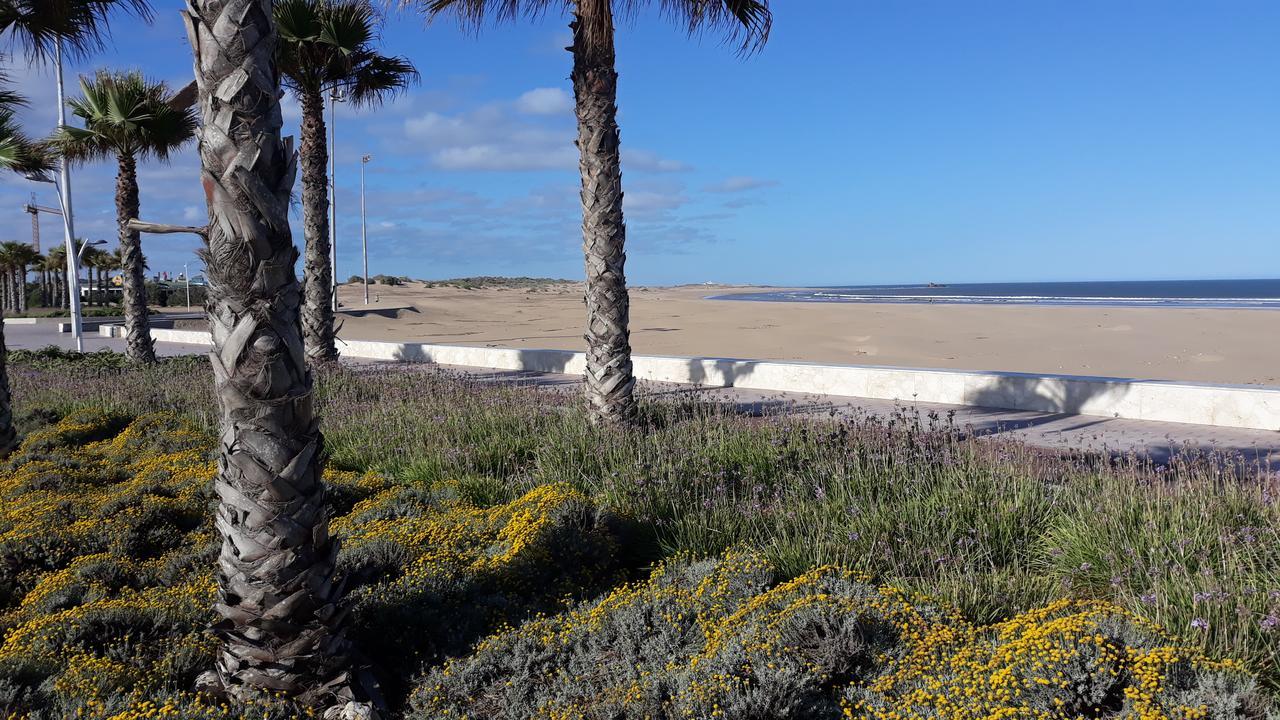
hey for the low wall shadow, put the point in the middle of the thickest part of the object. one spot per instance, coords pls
(1054, 395)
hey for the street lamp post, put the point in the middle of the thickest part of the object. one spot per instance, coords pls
(186, 275)
(68, 227)
(364, 236)
(335, 97)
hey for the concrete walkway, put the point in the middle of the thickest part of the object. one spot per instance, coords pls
(1048, 430)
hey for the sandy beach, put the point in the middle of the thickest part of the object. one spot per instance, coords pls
(1203, 345)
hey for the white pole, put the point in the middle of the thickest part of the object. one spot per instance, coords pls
(364, 237)
(186, 274)
(333, 192)
(64, 195)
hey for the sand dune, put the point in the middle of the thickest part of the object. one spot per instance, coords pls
(1205, 345)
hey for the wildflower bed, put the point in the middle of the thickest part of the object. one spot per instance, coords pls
(500, 558)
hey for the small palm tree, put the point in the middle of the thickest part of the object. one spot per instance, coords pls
(7, 260)
(24, 257)
(56, 265)
(609, 379)
(91, 262)
(128, 118)
(328, 46)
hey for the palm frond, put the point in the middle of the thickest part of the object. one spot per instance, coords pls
(124, 113)
(79, 146)
(18, 152)
(473, 14)
(747, 22)
(377, 77)
(331, 44)
(37, 26)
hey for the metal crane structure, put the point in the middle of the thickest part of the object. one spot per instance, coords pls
(35, 211)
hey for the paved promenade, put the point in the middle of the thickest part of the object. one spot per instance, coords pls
(1050, 430)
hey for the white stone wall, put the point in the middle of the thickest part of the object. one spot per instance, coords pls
(1242, 406)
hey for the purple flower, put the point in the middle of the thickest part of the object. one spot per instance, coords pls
(1148, 599)
(1201, 597)
(1200, 624)
(1270, 622)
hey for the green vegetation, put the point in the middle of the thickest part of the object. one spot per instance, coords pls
(806, 568)
(507, 283)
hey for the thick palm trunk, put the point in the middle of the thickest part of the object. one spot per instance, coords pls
(137, 325)
(317, 308)
(609, 381)
(22, 289)
(282, 623)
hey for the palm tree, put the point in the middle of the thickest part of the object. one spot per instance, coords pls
(327, 46)
(6, 276)
(609, 379)
(56, 266)
(21, 154)
(128, 118)
(22, 256)
(282, 625)
(91, 261)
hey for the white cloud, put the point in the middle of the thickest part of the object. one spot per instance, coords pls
(523, 135)
(191, 213)
(645, 161)
(545, 101)
(740, 183)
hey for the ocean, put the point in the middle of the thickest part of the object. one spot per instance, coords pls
(1263, 294)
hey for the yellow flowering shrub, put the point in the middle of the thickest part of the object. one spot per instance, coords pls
(107, 556)
(719, 638)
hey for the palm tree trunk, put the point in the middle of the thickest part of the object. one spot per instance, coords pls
(317, 308)
(8, 435)
(609, 381)
(137, 325)
(20, 277)
(281, 630)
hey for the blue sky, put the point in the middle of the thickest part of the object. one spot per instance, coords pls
(869, 142)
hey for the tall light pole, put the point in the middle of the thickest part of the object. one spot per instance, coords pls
(186, 275)
(364, 235)
(68, 227)
(334, 98)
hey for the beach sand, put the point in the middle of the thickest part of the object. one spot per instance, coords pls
(1202, 345)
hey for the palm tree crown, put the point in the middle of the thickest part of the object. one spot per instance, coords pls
(80, 25)
(124, 114)
(327, 44)
(745, 21)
